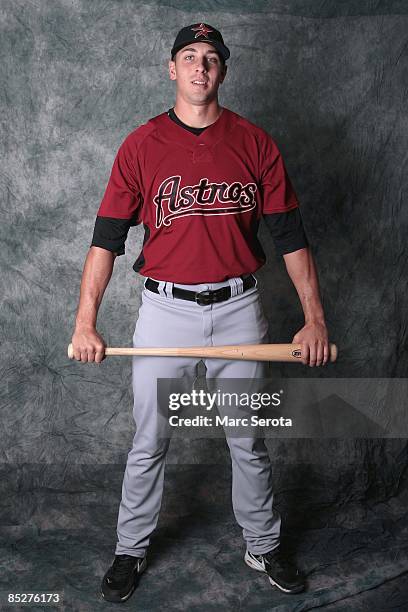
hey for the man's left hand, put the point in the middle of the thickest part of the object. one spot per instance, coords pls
(315, 343)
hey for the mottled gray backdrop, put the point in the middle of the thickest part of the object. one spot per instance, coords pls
(329, 82)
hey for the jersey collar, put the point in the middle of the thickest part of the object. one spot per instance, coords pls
(170, 130)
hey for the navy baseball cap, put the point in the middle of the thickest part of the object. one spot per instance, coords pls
(200, 32)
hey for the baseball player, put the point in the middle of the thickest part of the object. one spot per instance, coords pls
(199, 177)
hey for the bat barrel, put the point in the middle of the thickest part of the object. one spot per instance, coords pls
(333, 352)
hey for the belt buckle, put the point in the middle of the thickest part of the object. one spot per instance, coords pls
(204, 298)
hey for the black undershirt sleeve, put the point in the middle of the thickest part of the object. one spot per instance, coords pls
(287, 231)
(110, 233)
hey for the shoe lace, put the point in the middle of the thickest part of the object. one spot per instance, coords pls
(121, 566)
(284, 562)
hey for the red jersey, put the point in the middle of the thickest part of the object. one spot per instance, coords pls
(200, 198)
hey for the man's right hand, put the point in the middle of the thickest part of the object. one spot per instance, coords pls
(88, 345)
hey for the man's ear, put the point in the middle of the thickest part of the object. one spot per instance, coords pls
(172, 70)
(224, 73)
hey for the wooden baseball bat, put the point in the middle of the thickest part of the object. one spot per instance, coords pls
(246, 352)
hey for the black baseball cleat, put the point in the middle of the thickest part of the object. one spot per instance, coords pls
(122, 577)
(281, 572)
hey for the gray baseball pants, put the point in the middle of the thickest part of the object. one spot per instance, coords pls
(167, 321)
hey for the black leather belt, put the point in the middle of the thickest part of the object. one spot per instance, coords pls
(203, 298)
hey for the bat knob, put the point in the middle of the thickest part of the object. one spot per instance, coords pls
(70, 351)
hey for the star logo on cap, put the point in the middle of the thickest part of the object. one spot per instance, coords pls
(202, 30)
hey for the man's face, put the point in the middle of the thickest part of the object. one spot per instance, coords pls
(198, 72)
